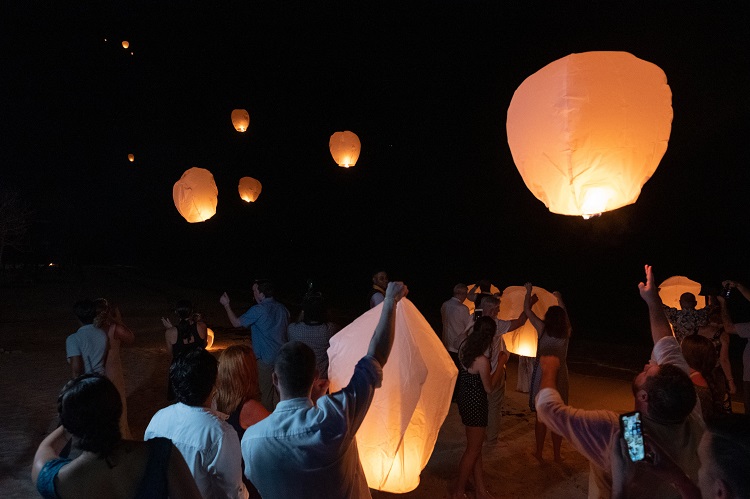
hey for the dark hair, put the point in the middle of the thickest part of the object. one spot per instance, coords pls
(478, 340)
(265, 287)
(556, 322)
(85, 310)
(730, 448)
(193, 376)
(183, 309)
(89, 407)
(295, 368)
(314, 308)
(700, 354)
(671, 396)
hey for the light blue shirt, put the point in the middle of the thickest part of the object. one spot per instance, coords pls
(306, 450)
(90, 343)
(268, 321)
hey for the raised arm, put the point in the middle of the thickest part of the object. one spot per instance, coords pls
(472, 295)
(382, 339)
(224, 300)
(528, 302)
(738, 286)
(650, 294)
(50, 448)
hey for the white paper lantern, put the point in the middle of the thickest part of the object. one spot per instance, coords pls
(399, 432)
(524, 340)
(196, 195)
(671, 290)
(249, 189)
(240, 120)
(345, 147)
(588, 130)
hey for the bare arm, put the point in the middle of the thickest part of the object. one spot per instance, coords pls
(170, 337)
(50, 448)
(202, 329)
(738, 286)
(382, 339)
(489, 381)
(724, 362)
(180, 482)
(650, 294)
(527, 304)
(472, 295)
(76, 365)
(224, 300)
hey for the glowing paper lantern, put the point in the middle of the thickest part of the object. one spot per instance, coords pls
(588, 130)
(345, 148)
(196, 195)
(131, 158)
(125, 44)
(249, 189)
(399, 432)
(240, 120)
(671, 290)
(472, 306)
(209, 338)
(523, 341)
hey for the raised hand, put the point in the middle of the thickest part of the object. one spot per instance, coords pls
(224, 299)
(396, 290)
(648, 290)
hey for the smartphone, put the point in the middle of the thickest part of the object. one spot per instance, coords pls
(477, 313)
(632, 432)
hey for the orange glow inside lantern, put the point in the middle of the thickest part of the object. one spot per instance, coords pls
(125, 44)
(398, 434)
(196, 195)
(240, 120)
(345, 147)
(209, 338)
(588, 130)
(249, 189)
(671, 289)
(524, 340)
(131, 158)
(472, 306)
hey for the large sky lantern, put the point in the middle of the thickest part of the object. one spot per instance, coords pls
(345, 147)
(399, 432)
(196, 195)
(671, 289)
(249, 189)
(588, 130)
(523, 341)
(240, 120)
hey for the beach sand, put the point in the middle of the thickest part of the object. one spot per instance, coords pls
(36, 318)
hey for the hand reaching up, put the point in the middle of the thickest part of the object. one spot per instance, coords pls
(649, 291)
(396, 290)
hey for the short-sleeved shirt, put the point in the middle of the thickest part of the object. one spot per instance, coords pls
(686, 322)
(268, 322)
(90, 343)
(306, 450)
(456, 320)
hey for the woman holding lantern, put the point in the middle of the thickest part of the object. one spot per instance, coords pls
(554, 334)
(474, 383)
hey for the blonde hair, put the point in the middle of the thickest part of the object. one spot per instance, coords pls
(237, 380)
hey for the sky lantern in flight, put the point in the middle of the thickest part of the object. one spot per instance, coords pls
(345, 147)
(523, 341)
(399, 432)
(240, 120)
(671, 290)
(249, 189)
(588, 130)
(131, 158)
(196, 195)
(125, 44)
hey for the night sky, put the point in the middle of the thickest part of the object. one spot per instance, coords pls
(435, 197)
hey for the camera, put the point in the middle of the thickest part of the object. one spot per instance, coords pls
(726, 291)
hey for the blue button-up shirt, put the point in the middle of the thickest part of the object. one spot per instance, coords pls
(267, 321)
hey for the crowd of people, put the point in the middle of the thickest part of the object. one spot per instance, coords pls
(260, 420)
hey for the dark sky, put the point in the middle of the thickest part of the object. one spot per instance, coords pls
(435, 197)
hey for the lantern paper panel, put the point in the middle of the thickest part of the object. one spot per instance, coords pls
(472, 306)
(240, 120)
(196, 195)
(588, 130)
(671, 290)
(524, 340)
(249, 189)
(345, 147)
(399, 432)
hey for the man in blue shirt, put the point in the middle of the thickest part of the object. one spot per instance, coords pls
(268, 321)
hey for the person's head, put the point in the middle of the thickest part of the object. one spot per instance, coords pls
(237, 379)
(85, 310)
(699, 352)
(102, 318)
(460, 291)
(89, 407)
(262, 289)
(193, 376)
(380, 279)
(724, 453)
(184, 309)
(479, 340)
(294, 370)
(314, 309)
(490, 305)
(485, 286)
(688, 301)
(556, 322)
(664, 393)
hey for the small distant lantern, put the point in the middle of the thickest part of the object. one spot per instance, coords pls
(674, 287)
(196, 195)
(131, 158)
(209, 338)
(125, 44)
(523, 341)
(588, 130)
(240, 120)
(249, 189)
(345, 147)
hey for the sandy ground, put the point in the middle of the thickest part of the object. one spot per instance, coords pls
(35, 319)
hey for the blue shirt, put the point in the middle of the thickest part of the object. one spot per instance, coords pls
(306, 450)
(267, 321)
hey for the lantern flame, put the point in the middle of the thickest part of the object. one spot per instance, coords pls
(595, 201)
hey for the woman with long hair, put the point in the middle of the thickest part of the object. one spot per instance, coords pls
(474, 383)
(554, 335)
(237, 390)
(700, 355)
(109, 320)
(108, 466)
(190, 332)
